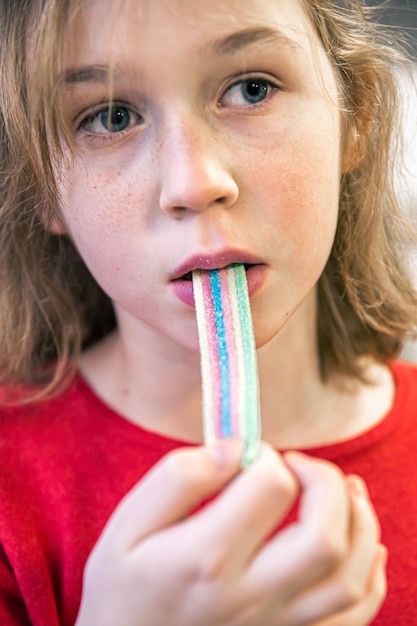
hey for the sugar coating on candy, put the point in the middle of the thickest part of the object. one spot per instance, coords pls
(229, 368)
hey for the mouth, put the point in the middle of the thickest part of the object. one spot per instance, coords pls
(214, 261)
(182, 279)
(188, 276)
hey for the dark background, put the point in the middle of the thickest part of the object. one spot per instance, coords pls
(401, 13)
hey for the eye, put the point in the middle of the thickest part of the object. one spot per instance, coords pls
(247, 92)
(110, 119)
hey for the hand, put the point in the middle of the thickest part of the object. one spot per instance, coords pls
(155, 565)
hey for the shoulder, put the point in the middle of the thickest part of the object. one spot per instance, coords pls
(404, 369)
(392, 479)
(17, 411)
(42, 433)
(73, 432)
(405, 378)
(398, 429)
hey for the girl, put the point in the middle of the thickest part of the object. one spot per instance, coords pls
(143, 139)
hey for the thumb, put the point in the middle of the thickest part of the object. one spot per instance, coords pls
(171, 489)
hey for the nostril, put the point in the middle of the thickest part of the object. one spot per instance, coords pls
(178, 211)
(222, 200)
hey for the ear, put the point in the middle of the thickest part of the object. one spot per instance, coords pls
(54, 226)
(358, 122)
(355, 146)
(52, 222)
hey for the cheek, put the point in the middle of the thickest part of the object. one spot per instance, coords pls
(297, 192)
(107, 223)
(301, 194)
(300, 204)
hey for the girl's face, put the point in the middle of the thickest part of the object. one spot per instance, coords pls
(222, 145)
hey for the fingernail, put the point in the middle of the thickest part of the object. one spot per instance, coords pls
(227, 453)
(296, 457)
(383, 554)
(357, 486)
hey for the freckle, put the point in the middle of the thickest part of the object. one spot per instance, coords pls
(125, 392)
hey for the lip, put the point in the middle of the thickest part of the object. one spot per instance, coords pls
(255, 274)
(213, 261)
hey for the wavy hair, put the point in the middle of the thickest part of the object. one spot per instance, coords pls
(51, 307)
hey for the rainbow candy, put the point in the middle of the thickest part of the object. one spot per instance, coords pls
(229, 369)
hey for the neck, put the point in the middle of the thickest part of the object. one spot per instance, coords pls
(156, 384)
(300, 410)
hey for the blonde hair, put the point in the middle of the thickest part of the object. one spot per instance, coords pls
(367, 301)
(50, 305)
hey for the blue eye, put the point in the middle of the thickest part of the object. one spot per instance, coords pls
(111, 119)
(246, 92)
(254, 90)
(115, 119)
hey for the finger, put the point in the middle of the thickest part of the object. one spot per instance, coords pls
(175, 486)
(237, 523)
(306, 550)
(369, 606)
(348, 584)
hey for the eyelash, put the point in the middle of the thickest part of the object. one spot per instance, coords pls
(134, 119)
(268, 89)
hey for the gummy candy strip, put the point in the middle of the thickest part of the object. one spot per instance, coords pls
(228, 357)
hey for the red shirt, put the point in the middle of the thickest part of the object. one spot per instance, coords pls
(65, 464)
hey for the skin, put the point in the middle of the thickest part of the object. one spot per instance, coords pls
(199, 169)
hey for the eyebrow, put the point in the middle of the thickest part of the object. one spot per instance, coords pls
(96, 73)
(229, 45)
(237, 41)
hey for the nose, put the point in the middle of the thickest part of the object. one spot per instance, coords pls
(194, 171)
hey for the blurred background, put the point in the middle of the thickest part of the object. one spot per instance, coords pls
(399, 13)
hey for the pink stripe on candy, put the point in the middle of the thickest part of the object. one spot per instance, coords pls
(214, 357)
(231, 351)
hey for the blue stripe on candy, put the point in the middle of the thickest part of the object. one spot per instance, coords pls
(223, 354)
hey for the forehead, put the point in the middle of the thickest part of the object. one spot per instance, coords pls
(152, 26)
